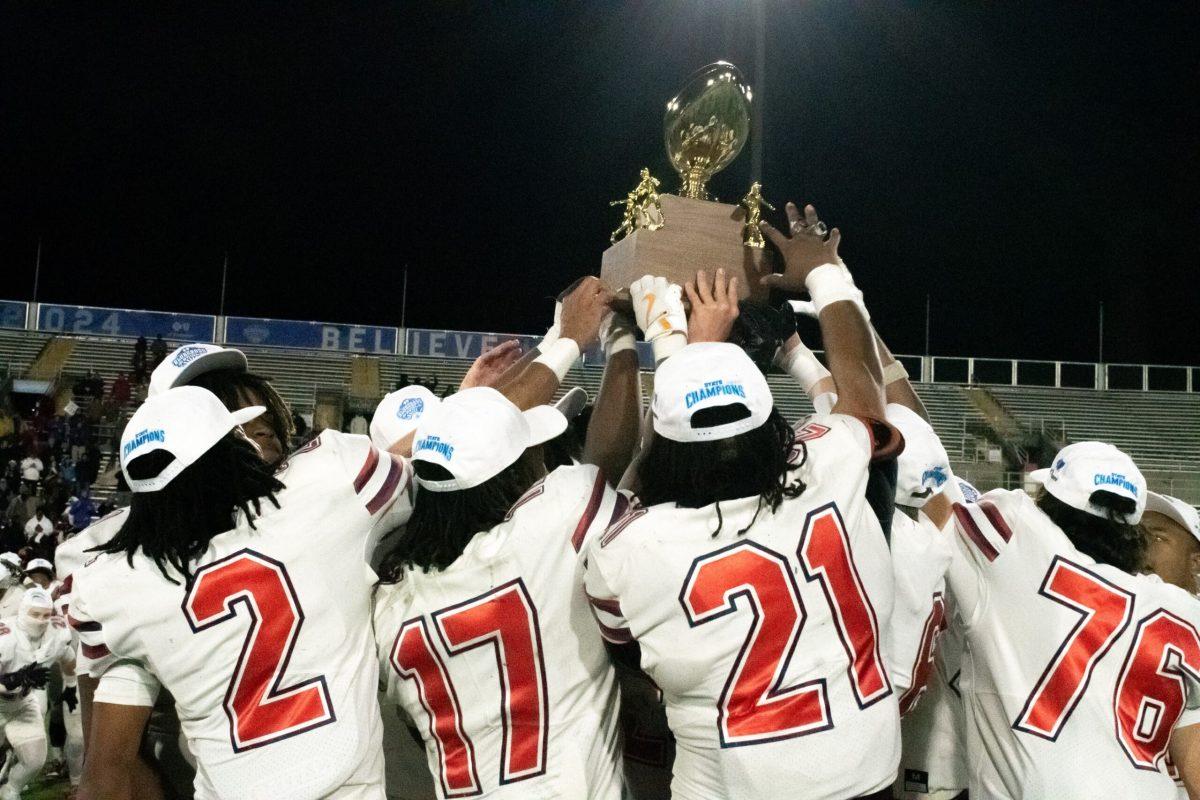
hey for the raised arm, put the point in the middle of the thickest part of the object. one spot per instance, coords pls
(613, 431)
(583, 310)
(849, 343)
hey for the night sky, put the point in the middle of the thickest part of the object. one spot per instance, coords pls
(1018, 163)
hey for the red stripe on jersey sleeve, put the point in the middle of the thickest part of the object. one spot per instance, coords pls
(389, 486)
(94, 651)
(967, 525)
(589, 513)
(609, 606)
(84, 627)
(368, 469)
(997, 519)
(619, 509)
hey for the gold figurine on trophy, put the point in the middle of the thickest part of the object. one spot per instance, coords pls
(753, 204)
(643, 208)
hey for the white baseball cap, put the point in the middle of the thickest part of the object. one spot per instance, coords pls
(708, 375)
(1176, 510)
(923, 467)
(183, 365)
(477, 433)
(39, 563)
(185, 421)
(1083, 468)
(399, 413)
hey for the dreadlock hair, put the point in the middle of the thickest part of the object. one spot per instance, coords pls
(174, 525)
(443, 523)
(1110, 539)
(697, 474)
(232, 386)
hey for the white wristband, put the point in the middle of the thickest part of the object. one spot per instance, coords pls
(893, 372)
(666, 346)
(618, 335)
(70, 681)
(802, 365)
(559, 357)
(828, 284)
(549, 339)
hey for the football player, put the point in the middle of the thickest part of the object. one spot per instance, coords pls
(1078, 673)
(483, 634)
(246, 594)
(1172, 530)
(31, 643)
(753, 581)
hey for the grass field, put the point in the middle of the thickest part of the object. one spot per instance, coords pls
(46, 790)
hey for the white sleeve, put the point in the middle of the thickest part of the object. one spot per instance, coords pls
(920, 556)
(127, 684)
(382, 481)
(603, 600)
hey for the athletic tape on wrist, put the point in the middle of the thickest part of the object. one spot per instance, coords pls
(828, 284)
(666, 346)
(802, 364)
(550, 338)
(893, 372)
(559, 357)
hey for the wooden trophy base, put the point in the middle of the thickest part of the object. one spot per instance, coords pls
(697, 235)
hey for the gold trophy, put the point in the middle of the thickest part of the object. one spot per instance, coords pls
(705, 127)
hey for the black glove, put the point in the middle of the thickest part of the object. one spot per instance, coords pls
(71, 697)
(785, 325)
(36, 676)
(13, 680)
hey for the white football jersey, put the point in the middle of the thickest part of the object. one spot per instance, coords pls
(496, 660)
(268, 653)
(17, 650)
(1074, 673)
(933, 760)
(70, 556)
(920, 556)
(767, 644)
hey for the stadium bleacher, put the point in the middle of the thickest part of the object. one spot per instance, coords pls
(1161, 430)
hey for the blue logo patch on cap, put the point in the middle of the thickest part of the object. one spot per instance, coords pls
(435, 444)
(411, 408)
(935, 475)
(713, 389)
(141, 438)
(1115, 479)
(187, 355)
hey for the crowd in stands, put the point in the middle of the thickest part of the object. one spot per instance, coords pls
(51, 459)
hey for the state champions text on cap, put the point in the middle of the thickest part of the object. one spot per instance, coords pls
(477, 433)
(184, 364)
(186, 422)
(708, 375)
(1083, 468)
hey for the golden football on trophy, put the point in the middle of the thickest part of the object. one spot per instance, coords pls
(705, 126)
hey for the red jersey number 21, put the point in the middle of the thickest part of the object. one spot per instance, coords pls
(755, 706)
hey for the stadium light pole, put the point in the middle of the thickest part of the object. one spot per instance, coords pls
(760, 69)
(224, 276)
(37, 269)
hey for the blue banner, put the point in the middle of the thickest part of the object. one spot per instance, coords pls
(459, 344)
(12, 313)
(310, 335)
(122, 323)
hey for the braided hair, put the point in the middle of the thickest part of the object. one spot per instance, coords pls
(174, 525)
(696, 474)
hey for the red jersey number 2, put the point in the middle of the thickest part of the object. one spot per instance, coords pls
(261, 708)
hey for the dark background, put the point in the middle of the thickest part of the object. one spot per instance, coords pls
(1018, 163)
